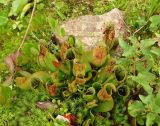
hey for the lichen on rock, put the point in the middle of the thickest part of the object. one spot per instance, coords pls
(91, 29)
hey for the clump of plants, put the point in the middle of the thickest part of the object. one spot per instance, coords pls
(90, 87)
(59, 83)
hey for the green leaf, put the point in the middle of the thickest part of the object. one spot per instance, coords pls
(155, 22)
(124, 45)
(140, 66)
(145, 63)
(53, 22)
(3, 20)
(154, 107)
(146, 43)
(150, 119)
(135, 108)
(127, 49)
(146, 51)
(61, 15)
(5, 94)
(105, 106)
(130, 52)
(150, 62)
(79, 46)
(155, 51)
(155, 19)
(140, 120)
(59, 5)
(146, 99)
(17, 6)
(144, 78)
(5, 2)
(62, 32)
(157, 99)
(30, 49)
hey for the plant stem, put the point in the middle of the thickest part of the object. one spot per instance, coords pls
(30, 20)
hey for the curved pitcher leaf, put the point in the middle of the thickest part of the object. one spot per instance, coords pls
(89, 94)
(72, 87)
(44, 77)
(80, 81)
(123, 90)
(66, 93)
(70, 55)
(120, 73)
(23, 83)
(79, 69)
(63, 50)
(105, 106)
(46, 59)
(106, 91)
(97, 86)
(99, 56)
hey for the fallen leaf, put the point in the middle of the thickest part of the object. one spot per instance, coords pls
(45, 105)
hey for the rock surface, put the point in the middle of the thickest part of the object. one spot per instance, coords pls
(90, 28)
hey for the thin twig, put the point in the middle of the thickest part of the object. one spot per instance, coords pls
(30, 20)
(140, 28)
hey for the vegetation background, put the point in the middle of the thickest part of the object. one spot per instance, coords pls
(13, 24)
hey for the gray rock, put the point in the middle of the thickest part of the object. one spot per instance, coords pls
(90, 28)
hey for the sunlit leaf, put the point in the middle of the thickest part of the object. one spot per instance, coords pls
(144, 79)
(124, 45)
(135, 108)
(150, 119)
(5, 2)
(146, 99)
(157, 99)
(61, 15)
(127, 49)
(146, 43)
(17, 6)
(3, 20)
(53, 22)
(155, 51)
(155, 22)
